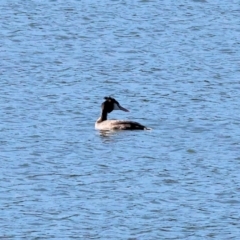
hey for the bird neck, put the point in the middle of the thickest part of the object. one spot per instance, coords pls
(103, 116)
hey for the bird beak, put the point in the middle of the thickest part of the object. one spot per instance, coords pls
(119, 107)
(123, 109)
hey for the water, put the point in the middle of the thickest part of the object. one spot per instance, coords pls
(174, 65)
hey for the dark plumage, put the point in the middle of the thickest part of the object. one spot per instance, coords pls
(108, 106)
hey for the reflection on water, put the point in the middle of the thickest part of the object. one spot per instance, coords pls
(107, 135)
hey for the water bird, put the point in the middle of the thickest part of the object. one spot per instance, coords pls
(108, 106)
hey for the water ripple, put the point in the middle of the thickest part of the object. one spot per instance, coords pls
(174, 65)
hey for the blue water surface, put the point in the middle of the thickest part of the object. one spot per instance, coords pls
(174, 65)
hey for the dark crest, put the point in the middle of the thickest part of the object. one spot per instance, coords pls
(109, 98)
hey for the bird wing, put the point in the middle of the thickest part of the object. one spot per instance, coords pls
(126, 125)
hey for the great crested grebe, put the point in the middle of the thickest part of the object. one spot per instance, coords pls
(108, 106)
